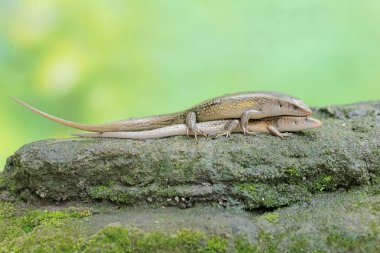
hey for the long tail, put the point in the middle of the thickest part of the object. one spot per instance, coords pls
(134, 124)
(177, 129)
(208, 127)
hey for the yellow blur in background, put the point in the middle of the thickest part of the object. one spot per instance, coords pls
(98, 61)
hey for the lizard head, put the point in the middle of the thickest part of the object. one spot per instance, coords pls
(279, 104)
(291, 107)
(294, 124)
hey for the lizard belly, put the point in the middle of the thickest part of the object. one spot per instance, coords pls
(261, 127)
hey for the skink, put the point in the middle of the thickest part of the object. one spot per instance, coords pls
(278, 126)
(243, 106)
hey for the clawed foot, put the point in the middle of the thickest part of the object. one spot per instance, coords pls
(283, 135)
(249, 114)
(274, 131)
(228, 129)
(244, 126)
(226, 134)
(216, 135)
(195, 132)
(245, 131)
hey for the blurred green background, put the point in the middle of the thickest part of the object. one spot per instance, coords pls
(97, 61)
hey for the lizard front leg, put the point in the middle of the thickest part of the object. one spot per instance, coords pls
(249, 114)
(273, 130)
(191, 124)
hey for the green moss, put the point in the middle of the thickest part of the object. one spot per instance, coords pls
(271, 196)
(216, 244)
(300, 244)
(366, 243)
(243, 246)
(155, 242)
(292, 172)
(312, 229)
(10, 226)
(110, 193)
(69, 237)
(164, 192)
(113, 239)
(100, 192)
(190, 240)
(129, 196)
(118, 239)
(273, 217)
(16, 222)
(36, 217)
(266, 242)
(374, 206)
(251, 188)
(375, 187)
(12, 186)
(128, 179)
(324, 182)
(64, 237)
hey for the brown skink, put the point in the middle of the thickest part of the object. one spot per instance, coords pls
(278, 126)
(243, 106)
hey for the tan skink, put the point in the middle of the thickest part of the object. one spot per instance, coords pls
(243, 106)
(278, 126)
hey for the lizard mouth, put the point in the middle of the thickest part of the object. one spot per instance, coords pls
(308, 111)
(314, 122)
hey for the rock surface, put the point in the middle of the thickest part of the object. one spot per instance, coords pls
(251, 172)
(317, 191)
(342, 221)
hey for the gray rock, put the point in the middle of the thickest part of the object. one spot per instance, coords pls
(245, 171)
(342, 221)
(6, 196)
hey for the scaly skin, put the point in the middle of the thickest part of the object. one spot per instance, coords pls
(243, 106)
(275, 126)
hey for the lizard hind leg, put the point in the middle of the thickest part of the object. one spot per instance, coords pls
(275, 132)
(228, 128)
(191, 124)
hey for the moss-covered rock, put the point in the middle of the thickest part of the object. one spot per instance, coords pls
(16, 221)
(270, 196)
(343, 221)
(317, 191)
(250, 171)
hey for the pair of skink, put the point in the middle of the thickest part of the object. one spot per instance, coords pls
(247, 112)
